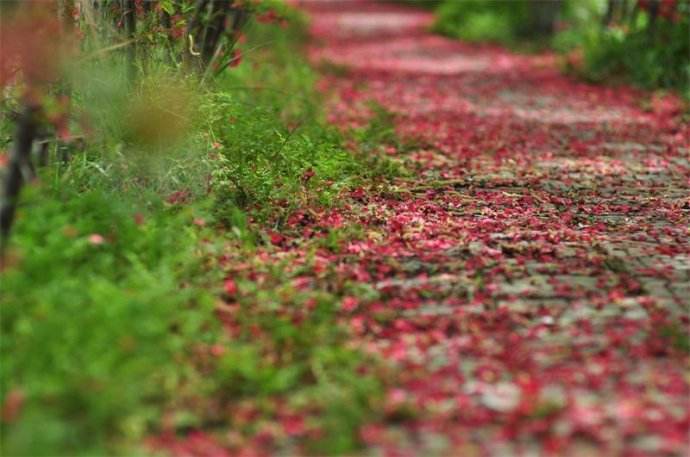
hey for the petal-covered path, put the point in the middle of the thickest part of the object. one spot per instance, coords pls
(533, 278)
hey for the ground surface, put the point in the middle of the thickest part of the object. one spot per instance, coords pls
(535, 274)
(531, 280)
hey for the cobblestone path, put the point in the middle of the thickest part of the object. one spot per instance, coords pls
(532, 277)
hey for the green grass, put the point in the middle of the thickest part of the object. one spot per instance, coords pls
(110, 283)
(273, 136)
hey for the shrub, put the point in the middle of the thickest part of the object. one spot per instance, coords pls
(649, 57)
(508, 23)
(96, 324)
(477, 20)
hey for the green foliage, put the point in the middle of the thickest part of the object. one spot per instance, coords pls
(262, 160)
(649, 58)
(108, 293)
(275, 150)
(580, 19)
(484, 20)
(96, 326)
(675, 333)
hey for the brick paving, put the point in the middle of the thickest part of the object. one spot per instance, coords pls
(545, 240)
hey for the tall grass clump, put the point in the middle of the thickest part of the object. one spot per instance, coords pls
(275, 151)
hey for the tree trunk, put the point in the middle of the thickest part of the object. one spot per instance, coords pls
(18, 169)
(653, 16)
(192, 34)
(214, 30)
(543, 16)
(129, 16)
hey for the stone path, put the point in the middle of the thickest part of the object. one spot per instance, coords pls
(532, 280)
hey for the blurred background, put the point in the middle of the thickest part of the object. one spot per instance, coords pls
(646, 42)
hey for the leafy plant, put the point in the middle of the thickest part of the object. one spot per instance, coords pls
(97, 329)
(649, 56)
(497, 21)
(274, 149)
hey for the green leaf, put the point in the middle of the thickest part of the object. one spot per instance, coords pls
(167, 6)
